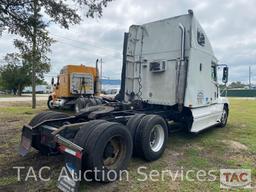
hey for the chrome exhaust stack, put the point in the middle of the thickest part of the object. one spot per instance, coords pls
(181, 71)
(97, 80)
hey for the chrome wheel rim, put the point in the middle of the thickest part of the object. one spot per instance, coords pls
(77, 108)
(156, 138)
(113, 153)
(224, 117)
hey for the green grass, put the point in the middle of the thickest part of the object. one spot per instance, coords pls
(8, 180)
(213, 153)
(210, 150)
(7, 95)
(19, 110)
(193, 159)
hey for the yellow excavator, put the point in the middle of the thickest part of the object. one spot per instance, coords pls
(77, 87)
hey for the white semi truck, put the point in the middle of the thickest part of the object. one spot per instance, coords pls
(169, 74)
(171, 63)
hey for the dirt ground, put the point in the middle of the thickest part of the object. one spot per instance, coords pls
(216, 148)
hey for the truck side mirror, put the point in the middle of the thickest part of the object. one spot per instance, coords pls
(52, 81)
(225, 75)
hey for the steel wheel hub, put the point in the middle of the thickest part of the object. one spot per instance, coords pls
(156, 138)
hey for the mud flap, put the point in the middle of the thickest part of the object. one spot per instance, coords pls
(26, 140)
(70, 175)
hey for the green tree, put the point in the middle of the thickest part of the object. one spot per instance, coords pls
(236, 84)
(14, 75)
(30, 18)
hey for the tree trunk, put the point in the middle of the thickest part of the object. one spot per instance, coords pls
(19, 90)
(34, 59)
(33, 77)
(14, 91)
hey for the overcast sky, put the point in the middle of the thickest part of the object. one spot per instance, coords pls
(229, 24)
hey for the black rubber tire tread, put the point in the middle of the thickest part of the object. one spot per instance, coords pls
(84, 99)
(137, 141)
(85, 133)
(132, 125)
(48, 104)
(221, 124)
(92, 102)
(56, 115)
(80, 103)
(98, 101)
(98, 137)
(89, 102)
(37, 118)
(95, 145)
(142, 137)
(85, 130)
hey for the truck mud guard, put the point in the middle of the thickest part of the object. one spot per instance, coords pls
(70, 175)
(26, 140)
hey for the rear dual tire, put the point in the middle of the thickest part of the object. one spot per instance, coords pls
(83, 103)
(150, 134)
(107, 147)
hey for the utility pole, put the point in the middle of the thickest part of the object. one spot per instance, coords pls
(34, 59)
(101, 74)
(250, 83)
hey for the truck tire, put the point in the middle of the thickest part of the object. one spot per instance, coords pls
(151, 137)
(90, 102)
(37, 118)
(36, 142)
(132, 125)
(50, 103)
(85, 130)
(108, 149)
(98, 101)
(224, 117)
(83, 103)
(79, 104)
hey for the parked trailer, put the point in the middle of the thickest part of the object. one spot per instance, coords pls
(169, 74)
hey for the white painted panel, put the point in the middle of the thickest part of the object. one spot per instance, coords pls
(205, 117)
(159, 87)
